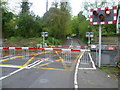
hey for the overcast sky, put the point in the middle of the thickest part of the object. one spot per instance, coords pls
(39, 6)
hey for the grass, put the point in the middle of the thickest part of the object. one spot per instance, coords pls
(107, 72)
(112, 71)
(28, 42)
(103, 67)
(115, 69)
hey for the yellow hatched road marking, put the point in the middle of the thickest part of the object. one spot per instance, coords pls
(32, 58)
(64, 65)
(20, 57)
(62, 60)
(40, 66)
(28, 61)
(50, 68)
(48, 63)
(11, 58)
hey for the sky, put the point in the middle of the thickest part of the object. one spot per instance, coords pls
(39, 6)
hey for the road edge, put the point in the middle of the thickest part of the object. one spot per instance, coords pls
(76, 72)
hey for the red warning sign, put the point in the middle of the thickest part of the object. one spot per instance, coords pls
(111, 48)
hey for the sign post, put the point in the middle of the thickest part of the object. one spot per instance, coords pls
(44, 34)
(100, 28)
(89, 35)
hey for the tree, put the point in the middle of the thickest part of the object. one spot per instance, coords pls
(25, 7)
(55, 4)
(8, 23)
(65, 6)
(57, 23)
(75, 25)
(25, 21)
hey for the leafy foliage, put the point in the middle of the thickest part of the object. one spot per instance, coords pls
(57, 22)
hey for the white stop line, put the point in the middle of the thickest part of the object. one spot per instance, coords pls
(22, 68)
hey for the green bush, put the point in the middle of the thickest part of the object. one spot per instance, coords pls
(51, 41)
(15, 38)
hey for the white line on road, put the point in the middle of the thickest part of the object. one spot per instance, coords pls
(9, 66)
(76, 72)
(27, 67)
(93, 64)
(11, 73)
(88, 68)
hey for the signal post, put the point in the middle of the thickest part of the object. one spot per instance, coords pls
(99, 16)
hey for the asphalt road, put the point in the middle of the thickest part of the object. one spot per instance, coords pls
(56, 70)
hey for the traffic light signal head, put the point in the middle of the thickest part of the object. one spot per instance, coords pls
(103, 15)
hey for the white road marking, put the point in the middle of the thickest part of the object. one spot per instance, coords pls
(88, 68)
(76, 72)
(10, 66)
(27, 67)
(12, 73)
(93, 64)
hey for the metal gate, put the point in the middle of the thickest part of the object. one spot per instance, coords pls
(86, 61)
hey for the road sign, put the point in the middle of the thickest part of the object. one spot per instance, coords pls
(89, 34)
(105, 15)
(111, 48)
(44, 34)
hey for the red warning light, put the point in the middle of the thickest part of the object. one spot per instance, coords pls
(107, 12)
(101, 17)
(95, 13)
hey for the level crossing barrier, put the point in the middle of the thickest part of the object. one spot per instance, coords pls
(65, 55)
(67, 46)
